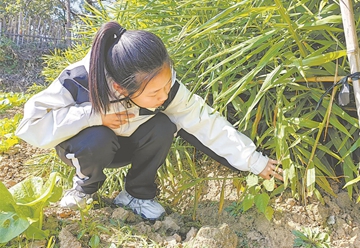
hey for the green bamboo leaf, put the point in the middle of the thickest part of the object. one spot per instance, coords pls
(280, 189)
(355, 146)
(310, 177)
(216, 21)
(292, 27)
(324, 184)
(273, 51)
(351, 182)
(324, 58)
(329, 19)
(222, 196)
(267, 84)
(189, 185)
(320, 28)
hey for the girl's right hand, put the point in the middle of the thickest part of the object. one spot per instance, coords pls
(115, 120)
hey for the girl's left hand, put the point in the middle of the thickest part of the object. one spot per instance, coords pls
(272, 170)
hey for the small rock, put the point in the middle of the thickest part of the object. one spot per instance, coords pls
(291, 202)
(170, 224)
(221, 237)
(68, 240)
(171, 239)
(191, 234)
(157, 225)
(331, 220)
(120, 214)
(177, 237)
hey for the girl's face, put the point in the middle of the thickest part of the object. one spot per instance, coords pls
(156, 90)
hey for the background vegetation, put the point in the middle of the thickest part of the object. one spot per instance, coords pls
(254, 61)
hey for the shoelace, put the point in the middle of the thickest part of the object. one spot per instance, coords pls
(136, 200)
(77, 193)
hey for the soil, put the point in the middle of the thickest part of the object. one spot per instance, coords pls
(338, 216)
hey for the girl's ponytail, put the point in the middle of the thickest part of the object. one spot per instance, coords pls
(107, 36)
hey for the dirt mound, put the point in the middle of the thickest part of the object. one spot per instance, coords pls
(338, 217)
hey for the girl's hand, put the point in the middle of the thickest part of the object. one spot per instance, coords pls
(114, 121)
(272, 170)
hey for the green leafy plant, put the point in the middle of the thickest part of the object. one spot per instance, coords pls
(90, 228)
(7, 54)
(260, 63)
(21, 207)
(256, 193)
(8, 126)
(311, 238)
(59, 59)
(352, 182)
(10, 100)
(7, 133)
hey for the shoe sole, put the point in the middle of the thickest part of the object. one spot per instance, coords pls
(141, 215)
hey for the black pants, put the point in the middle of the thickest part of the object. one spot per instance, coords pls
(98, 147)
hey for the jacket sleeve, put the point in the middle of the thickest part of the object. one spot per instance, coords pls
(193, 115)
(52, 116)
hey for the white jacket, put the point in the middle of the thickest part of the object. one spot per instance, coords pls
(63, 109)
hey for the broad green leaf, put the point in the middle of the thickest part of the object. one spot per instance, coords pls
(252, 180)
(27, 190)
(94, 241)
(269, 212)
(269, 185)
(248, 202)
(11, 225)
(262, 201)
(31, 191)
(7, 202)
(13, 218)
(33, 232)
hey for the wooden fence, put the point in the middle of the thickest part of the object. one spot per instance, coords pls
(33, 32)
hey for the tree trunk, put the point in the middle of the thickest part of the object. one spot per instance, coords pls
(68, 23)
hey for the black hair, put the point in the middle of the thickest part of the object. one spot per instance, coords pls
(129, 58)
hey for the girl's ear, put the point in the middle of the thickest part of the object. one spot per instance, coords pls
(120, 89)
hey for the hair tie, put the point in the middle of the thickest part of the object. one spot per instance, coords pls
(121, 32)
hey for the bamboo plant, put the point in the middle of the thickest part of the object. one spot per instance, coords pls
(251, 61)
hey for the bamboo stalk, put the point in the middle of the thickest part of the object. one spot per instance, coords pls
(352, 46)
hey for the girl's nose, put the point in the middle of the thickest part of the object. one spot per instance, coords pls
(163, 96)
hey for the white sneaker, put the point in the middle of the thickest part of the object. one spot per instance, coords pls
(147, 209)
(74, 199)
